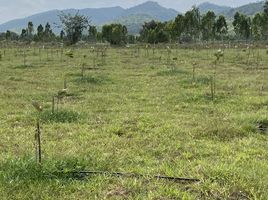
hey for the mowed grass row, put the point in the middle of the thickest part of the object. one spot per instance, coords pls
(137, 112)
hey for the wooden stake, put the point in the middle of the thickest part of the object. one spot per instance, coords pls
(38, 152)
(53, 104)
(212, 88)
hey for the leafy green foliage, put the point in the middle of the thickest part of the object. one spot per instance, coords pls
(114, 33)
(154, 32)
(59, 116)
(74, 26)
(242, 25)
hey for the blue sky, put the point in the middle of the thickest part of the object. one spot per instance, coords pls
(12, 9)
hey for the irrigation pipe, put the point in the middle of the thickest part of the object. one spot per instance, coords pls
(175, 179)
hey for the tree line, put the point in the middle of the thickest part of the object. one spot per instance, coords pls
(192, 26)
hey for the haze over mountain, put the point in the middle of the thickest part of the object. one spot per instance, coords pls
(248, 9)
(99, 16)
(14, 9)
(132, 17)
(205, 7)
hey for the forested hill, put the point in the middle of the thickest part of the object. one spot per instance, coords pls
(248, 9)
(99, 16)
(132, 17)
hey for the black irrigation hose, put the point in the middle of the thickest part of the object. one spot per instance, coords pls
(175, 179)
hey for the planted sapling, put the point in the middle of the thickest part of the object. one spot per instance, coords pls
(24, 58)
(168, 55)
(212, 87)
(38, 152)
(60, 95)
(194, 64)
(40, 55)
(219, 54)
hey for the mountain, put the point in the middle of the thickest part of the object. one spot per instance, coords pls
(154, 10)
(133, 22)
(99, 16)
(96, 16)
(133, 18)
(207, 6)
(248, 9)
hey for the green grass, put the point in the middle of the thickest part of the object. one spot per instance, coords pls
(135, 114)
(59, 116)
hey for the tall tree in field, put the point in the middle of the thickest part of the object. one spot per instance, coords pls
(246, 27)
(74, 26)
(92, 33)
(265, 21)
(8, 35)
(148, 31)
(40, 32)
(48, 33)
(107, 32)
(62, 34)
(179, 25)
(23, 34)
(221, 27)
(157, 32)
(192, 22)
(208, 25)
(242, 26)
(257, 26)
(265, 7)
(236, 23)
(162, 32)
(30, 29)
(170, 30)
(114, 33)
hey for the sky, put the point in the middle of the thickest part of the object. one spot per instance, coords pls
(13, 9)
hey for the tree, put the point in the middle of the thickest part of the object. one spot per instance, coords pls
(40, 32)
(155, 32)
(48, 33)
(8, 35)
(62, 34)
(30, 29)
(257, 26)
(236, 23)
(221, 27)
(99, 36)
(131, 39)
(192, 22)
(23, 34)
(265, 21)
(265, 7)
(147, 32)
(208, 25)
(115, 33)
(246, 27)
(107, 32)
(92, 33)
(73, 26)
(242, 25)
(170, 30)
(179, 25)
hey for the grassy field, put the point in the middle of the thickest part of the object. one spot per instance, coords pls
(137, 112)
